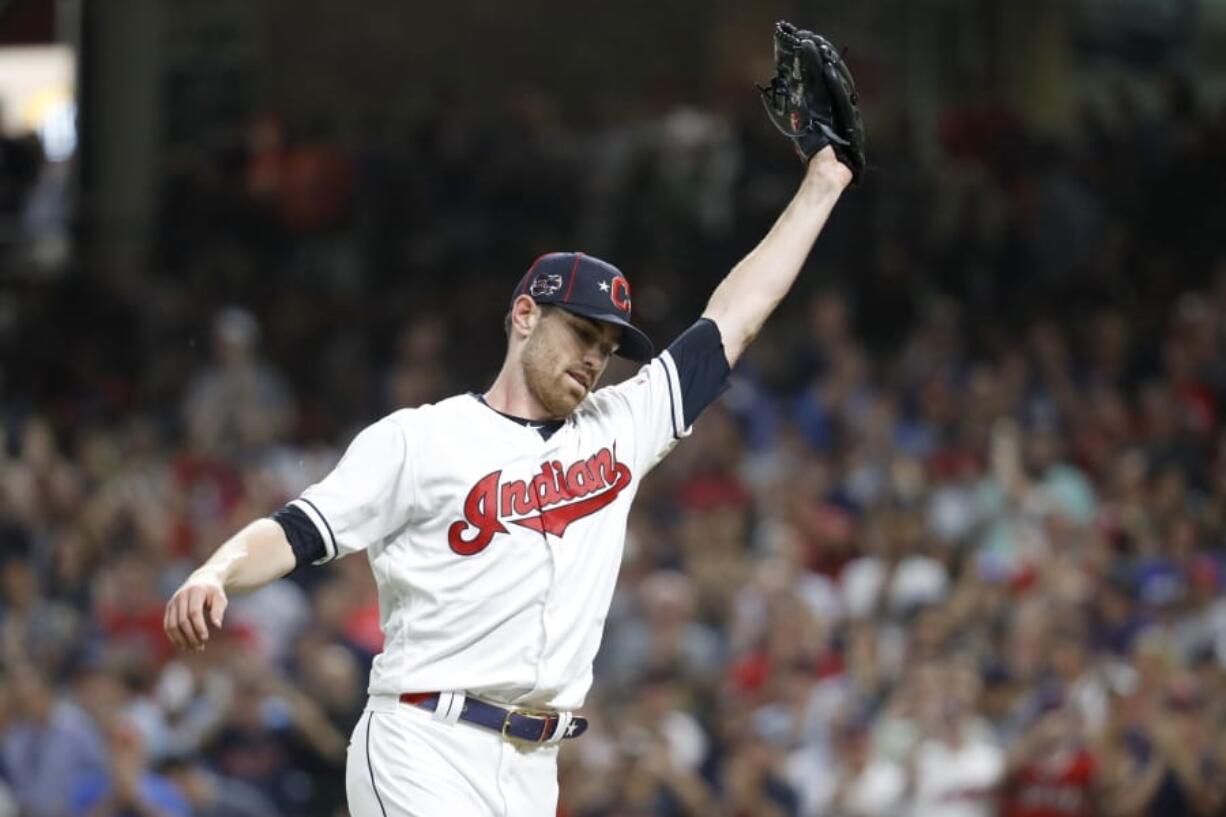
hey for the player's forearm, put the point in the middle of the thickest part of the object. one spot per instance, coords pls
(751, 291)
(251, 558)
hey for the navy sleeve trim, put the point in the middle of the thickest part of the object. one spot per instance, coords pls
(303, 536)
(672, 404)
(330, 551)
(702, 367)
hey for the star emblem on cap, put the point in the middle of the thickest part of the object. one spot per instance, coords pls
(570, 730)
(604, 286)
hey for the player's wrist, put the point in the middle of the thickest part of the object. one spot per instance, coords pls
(825, 169)
(209, 576)
(820, 190)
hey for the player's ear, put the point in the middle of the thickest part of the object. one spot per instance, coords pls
(523, 317)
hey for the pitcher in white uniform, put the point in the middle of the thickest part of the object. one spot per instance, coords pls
(494, 524)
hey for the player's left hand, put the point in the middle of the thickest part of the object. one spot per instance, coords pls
(812, 98)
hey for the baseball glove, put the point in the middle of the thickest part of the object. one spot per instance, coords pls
(812, 97)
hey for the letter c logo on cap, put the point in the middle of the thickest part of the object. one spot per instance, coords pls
(619, 294)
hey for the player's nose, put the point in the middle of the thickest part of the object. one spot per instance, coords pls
(595, 358)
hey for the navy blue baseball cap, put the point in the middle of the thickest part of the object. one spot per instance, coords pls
(589, 287)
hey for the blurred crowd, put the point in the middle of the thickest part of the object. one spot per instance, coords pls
(951, 545)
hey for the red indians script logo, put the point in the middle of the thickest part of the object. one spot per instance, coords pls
(547, 503)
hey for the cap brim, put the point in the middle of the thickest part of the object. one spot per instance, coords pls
(634, 344)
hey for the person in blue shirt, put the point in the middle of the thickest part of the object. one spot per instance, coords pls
(128, 788)
(50, 743)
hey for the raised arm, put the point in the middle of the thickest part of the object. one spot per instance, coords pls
(751, 291)
(253, 557)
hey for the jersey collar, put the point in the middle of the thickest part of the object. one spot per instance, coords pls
(545, 428)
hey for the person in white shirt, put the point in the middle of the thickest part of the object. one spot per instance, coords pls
(494, 524)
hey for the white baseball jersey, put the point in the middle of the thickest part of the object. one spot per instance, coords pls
(496, 550)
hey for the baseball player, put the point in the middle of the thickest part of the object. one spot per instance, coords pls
(494, 522)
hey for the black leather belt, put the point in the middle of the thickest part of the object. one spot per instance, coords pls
(528, 725)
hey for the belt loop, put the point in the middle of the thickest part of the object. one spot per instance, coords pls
(450, 707)
(559, 731)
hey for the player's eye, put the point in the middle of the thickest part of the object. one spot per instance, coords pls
(589, 335)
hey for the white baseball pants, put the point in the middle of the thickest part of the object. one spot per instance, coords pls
(405, 761)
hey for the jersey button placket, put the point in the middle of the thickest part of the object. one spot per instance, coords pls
(542, 654)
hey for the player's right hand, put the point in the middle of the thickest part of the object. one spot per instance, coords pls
(200, 600)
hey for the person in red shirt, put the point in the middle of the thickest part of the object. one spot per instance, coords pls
(1053, 771)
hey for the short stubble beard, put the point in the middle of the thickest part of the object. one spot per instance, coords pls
(544, 376)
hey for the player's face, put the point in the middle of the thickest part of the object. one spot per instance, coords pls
(564, 357)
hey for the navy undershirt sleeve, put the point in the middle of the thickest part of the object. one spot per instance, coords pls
(702, 366)
(303, 536)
